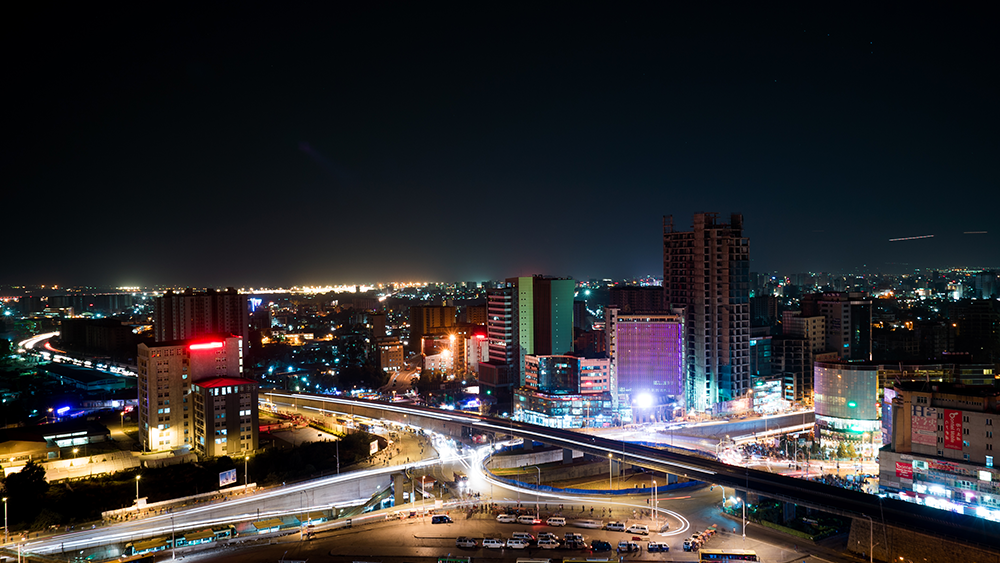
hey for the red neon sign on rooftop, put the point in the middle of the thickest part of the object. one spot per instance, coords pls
(205, 346)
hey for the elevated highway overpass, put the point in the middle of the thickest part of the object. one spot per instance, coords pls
(853, 504)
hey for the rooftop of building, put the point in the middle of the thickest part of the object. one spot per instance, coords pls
(197, 340)
(949, 388)
(214, 382)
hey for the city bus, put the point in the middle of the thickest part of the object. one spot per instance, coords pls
(723, 555)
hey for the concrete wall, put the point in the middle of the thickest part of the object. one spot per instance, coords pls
(896, 544)
(534, 458)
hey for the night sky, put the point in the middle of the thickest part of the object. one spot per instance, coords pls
(351, 142)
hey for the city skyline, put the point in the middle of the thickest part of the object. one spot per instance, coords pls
(335, 144)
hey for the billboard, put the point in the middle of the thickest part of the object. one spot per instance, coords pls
(904, 470)
(952, 429)
(923, 425)
(227, 477)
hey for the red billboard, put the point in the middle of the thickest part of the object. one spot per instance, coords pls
(952, 429)
(904, 470)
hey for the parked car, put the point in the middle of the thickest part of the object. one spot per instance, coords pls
(640, 529)
(615, 527)
(600, 545)
(627, 547)
(492, 543)
(657, 546)
(515, 543)
(506, 518)
(547, 536)
(441, 519)
(465, 542)
(548, 544)
(574, 544)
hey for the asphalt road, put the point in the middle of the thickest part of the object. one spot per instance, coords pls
(417, 539)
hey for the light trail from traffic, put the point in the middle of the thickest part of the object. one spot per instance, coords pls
(457, 418)
(200, 517)
(477, 472)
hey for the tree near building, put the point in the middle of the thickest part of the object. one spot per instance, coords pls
(24, 491)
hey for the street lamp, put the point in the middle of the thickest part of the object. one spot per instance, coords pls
(538, 483)
(137, 477)
(423, 498)
(5, 520)
(75, 450)
(655, 515)
(246, 479)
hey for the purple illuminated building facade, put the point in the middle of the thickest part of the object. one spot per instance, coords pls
(647, 363)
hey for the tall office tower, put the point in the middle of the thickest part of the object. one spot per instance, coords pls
(427, 320)
(497, 375)
(179, 316)
(848, 322)
(529, 315)
(165, 373)
(706, 271)
(647, 363)
(543, 315)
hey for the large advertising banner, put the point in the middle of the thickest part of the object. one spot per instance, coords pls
(227, 477)
(923, 425)
(952, 429)
(904, 470)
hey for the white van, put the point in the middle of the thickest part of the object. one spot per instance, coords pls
(528, 519)
(641, 529)
(493, 543)
(548, 544)
(615, 527)
(465, 542)
(556, 521)
(506, 518)
(516, 543)
(523, 536)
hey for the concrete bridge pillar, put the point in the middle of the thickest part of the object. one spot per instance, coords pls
(567, 456)
(398, 486)
(787, 512)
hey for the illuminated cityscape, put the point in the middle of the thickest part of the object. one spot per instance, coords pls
(418, 283)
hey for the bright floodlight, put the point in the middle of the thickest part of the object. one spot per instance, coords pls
(644, 401)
